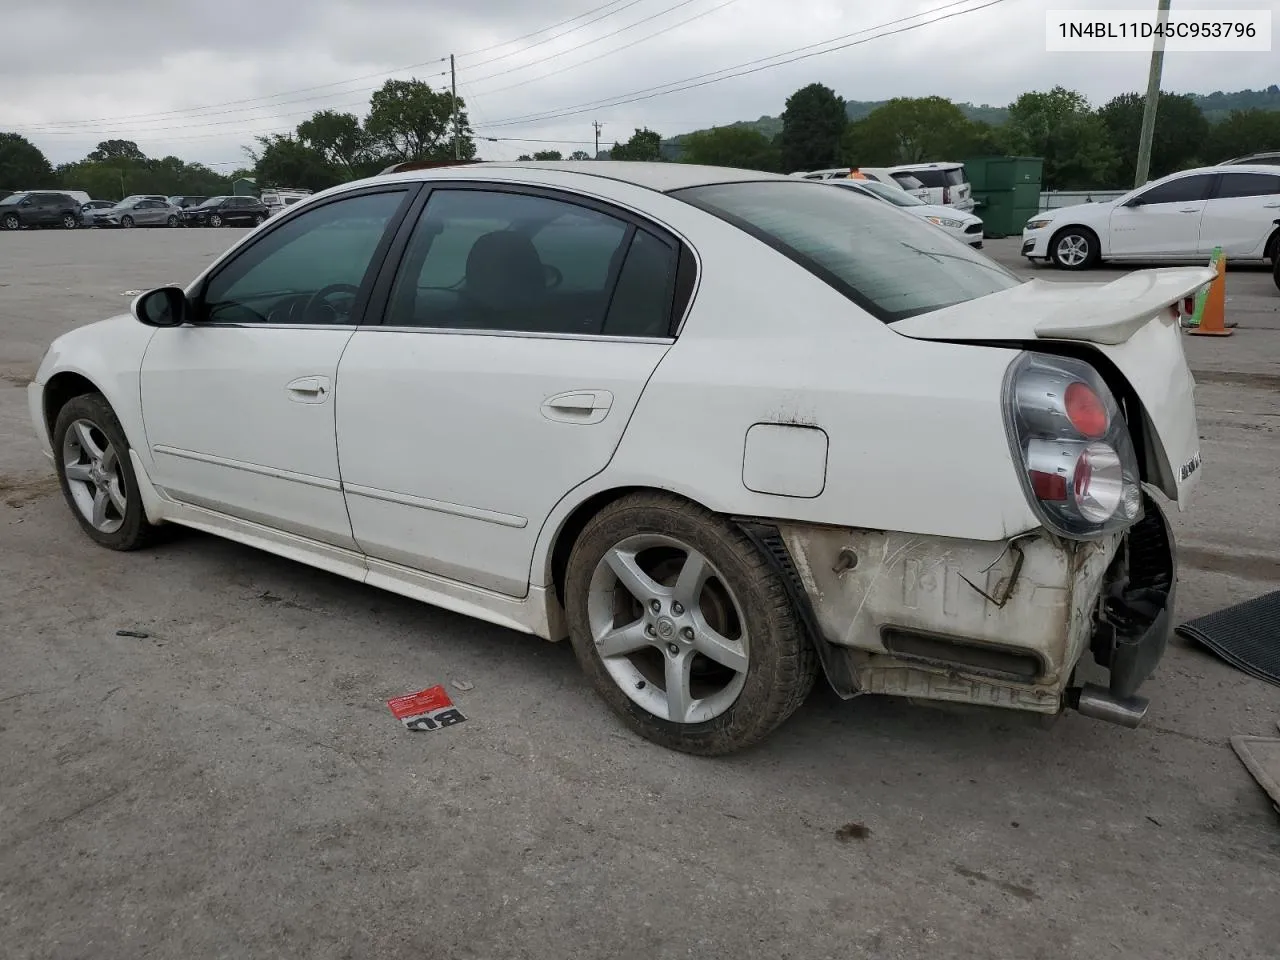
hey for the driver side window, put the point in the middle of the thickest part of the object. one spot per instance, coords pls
(328, 250)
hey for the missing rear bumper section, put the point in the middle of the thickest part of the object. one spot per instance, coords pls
(989, 624)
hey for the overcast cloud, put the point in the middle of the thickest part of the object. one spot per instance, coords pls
(199, 79)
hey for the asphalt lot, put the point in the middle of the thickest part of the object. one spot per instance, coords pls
(233, 785)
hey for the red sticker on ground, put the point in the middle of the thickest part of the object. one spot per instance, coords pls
(427, 709)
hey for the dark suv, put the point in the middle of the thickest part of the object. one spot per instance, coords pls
(226, 211)
(37, 208)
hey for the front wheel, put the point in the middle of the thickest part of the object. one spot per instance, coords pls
(683, 627)
(92, 458)
(172, 221)
(1074, 248)
(11, 221)
(126, 221)
(215, 220)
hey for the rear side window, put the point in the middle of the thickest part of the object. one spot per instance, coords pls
(641, 305)
(892, 265)
(956, 177)
(909, 181)
(1247, 185)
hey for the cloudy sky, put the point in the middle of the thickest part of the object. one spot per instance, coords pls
(199, 78)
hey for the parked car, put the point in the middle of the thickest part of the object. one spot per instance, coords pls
(1180, 217)
(279, 199)
(226, 212)
(963, 226)
(89, 210)
(944, 184)
(683, 416)
(185, 202)
(130, 213)
(39, 208)
(901, 181)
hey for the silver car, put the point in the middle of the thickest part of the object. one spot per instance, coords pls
(139, 212)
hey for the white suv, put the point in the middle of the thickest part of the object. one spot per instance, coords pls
(947, 183)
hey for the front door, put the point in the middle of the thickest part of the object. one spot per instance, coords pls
(517, 338)
(239, 406)
(1162, 222)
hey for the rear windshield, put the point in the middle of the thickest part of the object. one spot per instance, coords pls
(951, 177)
(890, 263)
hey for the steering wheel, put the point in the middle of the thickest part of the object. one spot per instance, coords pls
(320, 299)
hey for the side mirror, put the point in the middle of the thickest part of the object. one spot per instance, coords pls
(162, 307)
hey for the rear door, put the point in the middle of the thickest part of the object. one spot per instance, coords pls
(518, 334)
(1162, 222)
(1241, 214)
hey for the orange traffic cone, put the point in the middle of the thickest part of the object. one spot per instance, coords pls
(1213, 320)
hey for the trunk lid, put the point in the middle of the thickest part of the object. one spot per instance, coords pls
(1129, 322)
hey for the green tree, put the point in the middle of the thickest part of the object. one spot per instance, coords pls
(410, 121)
(1059, 126)
(285, 161)
(117, 150)
(22, 164)
(645, 144)
(342, 141)
(1243, 132)
(1180, 133)
(579, 155)
(910, 130)
(733, 146)
(813, 124)
(542, 155)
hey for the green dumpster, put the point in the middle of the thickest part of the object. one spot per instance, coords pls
(1006, 192)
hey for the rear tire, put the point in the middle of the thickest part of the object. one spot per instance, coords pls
(126, 221)
(91, 454)
(69, 222)
(1074, 248)
(172, 221)
(11, 221)
(1275, 270)
(738, 652)
(215, 220)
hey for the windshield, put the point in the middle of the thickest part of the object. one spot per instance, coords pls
(13, 197)
(213, 201)
(892, 265)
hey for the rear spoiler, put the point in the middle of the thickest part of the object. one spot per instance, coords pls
(405, 165)
(1114, 312)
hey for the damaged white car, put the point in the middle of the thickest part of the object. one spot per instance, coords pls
(723, 431)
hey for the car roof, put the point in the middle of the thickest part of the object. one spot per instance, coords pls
(662, 177)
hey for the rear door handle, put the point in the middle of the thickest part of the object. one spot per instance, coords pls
(1270, 206)
(578, 406)
(309, 389)
(1190, 210)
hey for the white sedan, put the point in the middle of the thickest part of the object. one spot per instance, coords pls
(1181, 217)
(681, 416)
(965, 227)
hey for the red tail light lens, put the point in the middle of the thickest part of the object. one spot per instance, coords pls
(1073, 447)
(1086, 410)
(946, 195)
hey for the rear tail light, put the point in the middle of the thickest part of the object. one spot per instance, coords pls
(1072, 446)
(946, 195)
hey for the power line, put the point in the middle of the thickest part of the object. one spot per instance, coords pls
(506, 56)
(185, 111)
(688, 83)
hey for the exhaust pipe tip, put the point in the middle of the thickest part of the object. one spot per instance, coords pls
(1099, 703)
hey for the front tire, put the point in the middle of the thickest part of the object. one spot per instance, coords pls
(126, 221)
(215, 220)
(172, 221)
(11, 222)
(1074, 248)
(91, 453)
(683, 628)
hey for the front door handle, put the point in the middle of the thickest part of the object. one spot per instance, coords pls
(1190, 210)
(578, 406)
(1270, 206)
(309, 389)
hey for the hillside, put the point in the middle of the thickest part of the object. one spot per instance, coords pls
(1215, 107)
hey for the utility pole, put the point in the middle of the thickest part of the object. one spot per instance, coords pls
(1153, 99)
(598, 126)
(453, 82)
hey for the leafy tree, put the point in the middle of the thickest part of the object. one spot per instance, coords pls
(117, 150)
(1180, 132)
(910, 130)
(733, 146)
(579, 155)
(542, 155)
(812, 126)
(1243, 132)
(1059, 126)
(410, 121)
(22, 164)
(342, 141)
(645, 144)
(285, 161)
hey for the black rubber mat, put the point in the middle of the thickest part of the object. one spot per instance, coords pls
(1247, 636)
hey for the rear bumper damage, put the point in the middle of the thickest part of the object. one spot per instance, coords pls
(1005, 624)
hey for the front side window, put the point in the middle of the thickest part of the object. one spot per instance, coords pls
(1247, 185)
(308, 270)
(891, 265)
(488, 260)
(1181, 190)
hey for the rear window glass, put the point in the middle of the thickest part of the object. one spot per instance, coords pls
(890, 263)
(929, 178)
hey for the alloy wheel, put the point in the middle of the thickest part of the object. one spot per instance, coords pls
(92, 468)
(668, 629)
(1073, 249)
